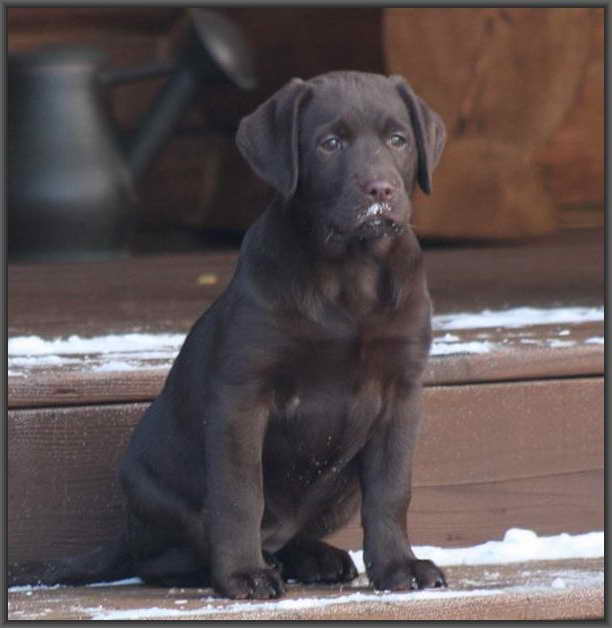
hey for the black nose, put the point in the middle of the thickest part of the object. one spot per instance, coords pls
(379, 190)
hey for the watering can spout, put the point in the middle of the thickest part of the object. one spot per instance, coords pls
(215, 52)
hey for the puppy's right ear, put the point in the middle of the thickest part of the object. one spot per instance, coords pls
(429, 131)
(268, 138)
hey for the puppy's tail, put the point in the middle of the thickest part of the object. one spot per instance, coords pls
(104, 564)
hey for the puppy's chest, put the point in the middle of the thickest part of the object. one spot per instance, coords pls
(328, 396)
(359, 288)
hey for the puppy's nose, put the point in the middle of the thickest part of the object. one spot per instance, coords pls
(379, 190)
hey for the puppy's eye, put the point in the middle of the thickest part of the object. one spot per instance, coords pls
(331, 144)
(397, 140)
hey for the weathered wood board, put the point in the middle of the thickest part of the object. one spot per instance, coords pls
(517, 591)
(490, 457)
(513, 436)
(166, 293)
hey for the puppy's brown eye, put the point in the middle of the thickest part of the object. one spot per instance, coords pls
(331, 144)
(397, 140)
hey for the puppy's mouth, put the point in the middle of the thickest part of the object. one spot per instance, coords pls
(378, 220)
(378, 227)
(371, 229)
(375, 221)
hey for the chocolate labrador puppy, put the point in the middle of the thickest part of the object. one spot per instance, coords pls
(297, 395)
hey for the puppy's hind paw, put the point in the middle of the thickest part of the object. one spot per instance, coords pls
(312, 561)
(257, 583)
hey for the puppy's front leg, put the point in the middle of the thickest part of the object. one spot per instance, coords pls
(234, 484)
(385, 468)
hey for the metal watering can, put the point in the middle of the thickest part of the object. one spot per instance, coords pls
(70, 177)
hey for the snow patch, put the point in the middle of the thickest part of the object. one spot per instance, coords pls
(29, 588)
(473, 346)
(557, 344)
(518, 317)
(116, 583)
(449, 338)
(295, 604)
(112, 343)
(113, 366)
(130, 351)
(518, 545)
(595, 340)
(110, 353)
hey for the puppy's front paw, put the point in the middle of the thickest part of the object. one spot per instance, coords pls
(410, 574)
(257, 583)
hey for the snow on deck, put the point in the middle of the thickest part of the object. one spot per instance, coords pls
(522, 563)
(518, 545)
(518, 317)
(453, 335)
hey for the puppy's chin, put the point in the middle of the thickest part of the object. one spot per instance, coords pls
(378, 227)
(371, 233)
(370, 229)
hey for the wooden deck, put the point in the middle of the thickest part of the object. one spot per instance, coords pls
(534, 590)
(516, 430)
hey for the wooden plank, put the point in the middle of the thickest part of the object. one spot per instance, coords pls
(527, 442)
(160, 293)
(509, 591)
(469, 514)
(528, 353)
(497, 456)
(525, 354)
(54, 387)
(496, 432)
(561, 269)
(63, 493)
(163, 292)
(166, 294)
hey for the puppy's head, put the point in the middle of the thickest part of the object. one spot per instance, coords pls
(348, 149)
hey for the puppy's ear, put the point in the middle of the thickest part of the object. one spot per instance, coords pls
(268, 137)
(429, 132)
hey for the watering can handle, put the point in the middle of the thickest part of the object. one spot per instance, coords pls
(117, 76)
(158, 123)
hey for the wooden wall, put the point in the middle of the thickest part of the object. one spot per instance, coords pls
(200, 179)
(521, 92)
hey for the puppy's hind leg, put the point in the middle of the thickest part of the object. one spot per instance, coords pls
(307, 559)
(174, 567)
(160, 520)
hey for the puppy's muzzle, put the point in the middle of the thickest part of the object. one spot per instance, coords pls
(379, 218)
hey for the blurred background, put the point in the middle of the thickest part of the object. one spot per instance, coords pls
(520, 90)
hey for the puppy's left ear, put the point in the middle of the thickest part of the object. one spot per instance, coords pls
(268, 137)
(429, 131)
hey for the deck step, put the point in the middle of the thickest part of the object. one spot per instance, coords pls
(534, 590)
(514, 414)
(527, 454)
